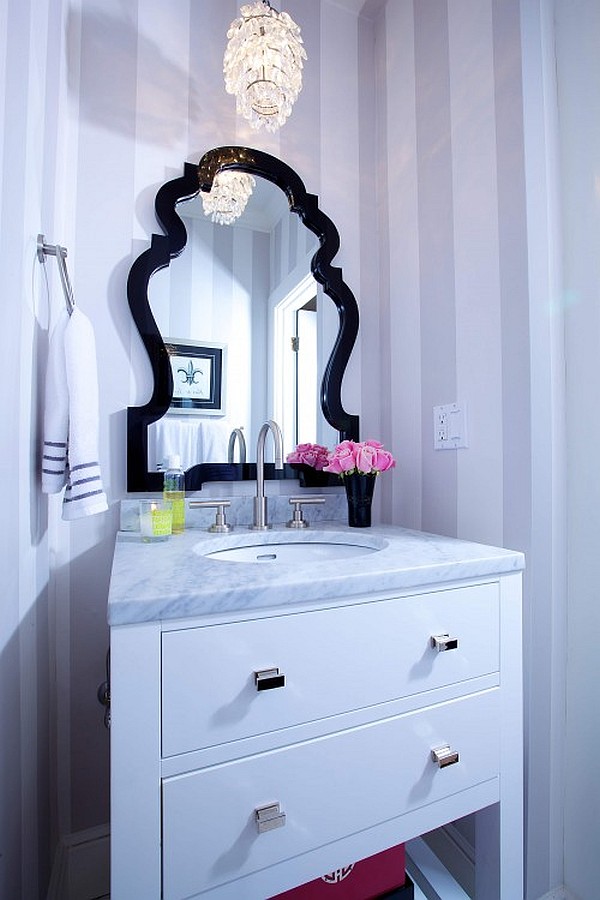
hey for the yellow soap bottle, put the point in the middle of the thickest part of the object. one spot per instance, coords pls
(174, 490)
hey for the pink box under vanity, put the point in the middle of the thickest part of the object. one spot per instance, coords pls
(378, 876)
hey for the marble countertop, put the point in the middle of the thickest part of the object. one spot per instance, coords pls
(174, 579)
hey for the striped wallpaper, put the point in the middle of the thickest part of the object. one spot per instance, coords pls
(410, 128)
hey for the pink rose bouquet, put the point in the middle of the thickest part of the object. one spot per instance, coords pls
(313, 455)
(364, 457)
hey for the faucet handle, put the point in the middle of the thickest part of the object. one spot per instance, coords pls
(298, 521)
(220, 525)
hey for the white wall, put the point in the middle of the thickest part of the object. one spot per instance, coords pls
(455, 273)
(578, 80)
(545, 645)
(32, 97)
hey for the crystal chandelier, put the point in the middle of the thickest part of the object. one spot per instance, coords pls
(263, 64)
(227, 198)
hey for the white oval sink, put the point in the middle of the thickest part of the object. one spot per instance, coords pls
(277, 551)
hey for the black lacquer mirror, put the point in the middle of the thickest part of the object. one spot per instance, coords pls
(163, 250)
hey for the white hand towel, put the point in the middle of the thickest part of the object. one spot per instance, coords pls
(213, 441)
(84, 494)
(56, 412)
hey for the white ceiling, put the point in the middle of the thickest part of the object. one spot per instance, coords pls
(369, 8)
(352, 5)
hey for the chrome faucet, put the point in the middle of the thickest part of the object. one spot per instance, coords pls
(260, 501)
(236, 434)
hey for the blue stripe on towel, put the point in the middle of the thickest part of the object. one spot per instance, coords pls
(85, 480)
(82, 496)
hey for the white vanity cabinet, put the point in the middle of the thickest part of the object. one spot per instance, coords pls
(255, 749)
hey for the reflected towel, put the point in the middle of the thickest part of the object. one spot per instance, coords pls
(213, 442)
(194, 439)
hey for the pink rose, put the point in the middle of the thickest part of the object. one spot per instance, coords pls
(342, 459)
(313, 455)
(365, 458)
(333, 465)
(384, 460)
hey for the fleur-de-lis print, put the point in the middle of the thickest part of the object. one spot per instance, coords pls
(190, 374)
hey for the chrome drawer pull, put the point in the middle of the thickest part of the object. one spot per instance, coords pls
(444, 756)
(267, 679)
(269, 817)
(441, 642)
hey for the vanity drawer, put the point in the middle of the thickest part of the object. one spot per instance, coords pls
(333, 661)
(328, 789)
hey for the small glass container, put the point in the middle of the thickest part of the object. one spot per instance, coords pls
(156, 520)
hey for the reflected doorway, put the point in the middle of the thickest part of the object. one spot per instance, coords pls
(296, 375)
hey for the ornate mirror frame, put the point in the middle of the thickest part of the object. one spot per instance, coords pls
(164, 248)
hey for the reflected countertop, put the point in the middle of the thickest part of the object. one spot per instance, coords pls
(174, 579)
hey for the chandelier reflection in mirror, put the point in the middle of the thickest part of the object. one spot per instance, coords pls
(263, 64)
(227, 198)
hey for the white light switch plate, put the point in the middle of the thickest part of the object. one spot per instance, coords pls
(450, 426)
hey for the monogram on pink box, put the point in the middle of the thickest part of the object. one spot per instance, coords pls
(371, 878)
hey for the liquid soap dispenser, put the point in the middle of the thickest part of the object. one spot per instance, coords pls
(174, 490)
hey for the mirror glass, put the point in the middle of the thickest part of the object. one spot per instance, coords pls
(244, 292)
(241, 324)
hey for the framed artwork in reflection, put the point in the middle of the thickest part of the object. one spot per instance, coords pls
(198, 377)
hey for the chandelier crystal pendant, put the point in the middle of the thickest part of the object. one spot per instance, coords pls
(227, 198)
(263, 64)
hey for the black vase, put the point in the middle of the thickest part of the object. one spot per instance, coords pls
(310, 477)
(359, 493)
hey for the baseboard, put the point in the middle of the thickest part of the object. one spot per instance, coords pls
(81, 869)
(558, 893)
